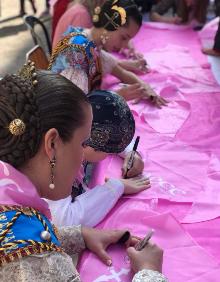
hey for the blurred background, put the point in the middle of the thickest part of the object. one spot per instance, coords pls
(15, 38)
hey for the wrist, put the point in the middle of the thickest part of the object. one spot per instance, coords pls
(149, 275)
(149, 266)
(84, 232)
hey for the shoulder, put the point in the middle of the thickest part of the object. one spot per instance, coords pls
(25, 231)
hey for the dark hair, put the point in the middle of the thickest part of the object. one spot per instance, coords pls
(107, 13)
(54, 102)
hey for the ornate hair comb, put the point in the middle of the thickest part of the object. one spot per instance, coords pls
(28, 72)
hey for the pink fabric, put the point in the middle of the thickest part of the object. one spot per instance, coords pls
(77, 15)
(179, 249)
(180, 144)
(16, 189)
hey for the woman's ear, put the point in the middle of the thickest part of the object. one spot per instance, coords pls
(51, 142)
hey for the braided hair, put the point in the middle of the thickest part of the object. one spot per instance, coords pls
(53, 103)
(107, 12)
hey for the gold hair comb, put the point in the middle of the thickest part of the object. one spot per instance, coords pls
(28, 72)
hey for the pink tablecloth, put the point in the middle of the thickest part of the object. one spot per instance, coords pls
(181, 148)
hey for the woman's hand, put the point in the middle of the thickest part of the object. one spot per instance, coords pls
(151, 257)
(131, 92)
(137, 167)
(97, 241)
(149, 94)
(138, 66)
(135, 185)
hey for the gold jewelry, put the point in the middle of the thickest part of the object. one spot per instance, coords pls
(52, 167)
(121, 11)
(95, 18)
(28, 72)
(104, 37)
(97, 11)
(17, 127)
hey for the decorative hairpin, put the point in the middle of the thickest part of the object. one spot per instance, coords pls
(28, 72)
(17, 127)
(112, 20)
(121, 11)
(97, 11)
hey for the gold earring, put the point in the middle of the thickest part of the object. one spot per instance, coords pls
(104, 37)
(52, 167)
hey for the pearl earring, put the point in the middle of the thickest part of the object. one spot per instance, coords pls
(52, 167)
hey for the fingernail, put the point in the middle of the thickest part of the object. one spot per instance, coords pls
(109, 262)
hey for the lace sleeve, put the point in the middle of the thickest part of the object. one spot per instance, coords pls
(108, 62)
(149, 276)
(71, 239)
(50, 267)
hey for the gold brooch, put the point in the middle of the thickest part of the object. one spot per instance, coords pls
(17, 127)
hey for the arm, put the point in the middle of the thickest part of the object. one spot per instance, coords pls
(130, 52)
(149, 276)
(53, 266)
(138, 89)
(89, 208)
(109, 62)
(71, 239)
(128, 77)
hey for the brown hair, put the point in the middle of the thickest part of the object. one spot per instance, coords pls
(54, 102)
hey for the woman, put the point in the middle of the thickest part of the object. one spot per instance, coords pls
(44, 122)
(113, 128)
(81, 13)
(76, 13)
(78, 55)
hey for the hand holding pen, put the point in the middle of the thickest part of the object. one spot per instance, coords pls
(133, 164)
(146, 255)
(142, 244)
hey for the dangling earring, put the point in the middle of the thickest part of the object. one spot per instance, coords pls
(104, 37)
(52, 167)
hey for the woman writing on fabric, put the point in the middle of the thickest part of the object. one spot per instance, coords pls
(79, 58)
(44, 121)
(112, 130)
(81, 14)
